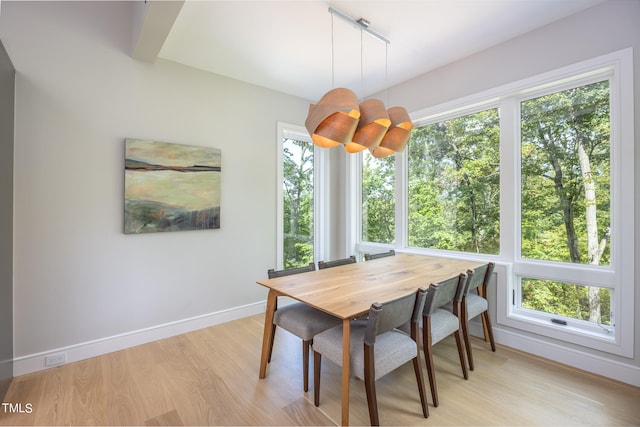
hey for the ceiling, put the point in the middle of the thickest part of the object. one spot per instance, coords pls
(300, 48)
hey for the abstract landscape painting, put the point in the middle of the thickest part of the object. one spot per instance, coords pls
(170, 187)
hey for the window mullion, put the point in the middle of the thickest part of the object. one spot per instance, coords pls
(281, 129)
(509, 179)
(401, 196)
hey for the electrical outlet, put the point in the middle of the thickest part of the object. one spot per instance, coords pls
(55, 359)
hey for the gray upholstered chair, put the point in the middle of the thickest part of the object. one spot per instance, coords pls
(438, 323)
(377, 347)
(301, 320)
(474, 303)
(336, 263)
(368, 257)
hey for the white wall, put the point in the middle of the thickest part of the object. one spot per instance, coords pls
(78, 278)
(606, 28)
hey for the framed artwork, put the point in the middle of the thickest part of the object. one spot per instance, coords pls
(170, 187)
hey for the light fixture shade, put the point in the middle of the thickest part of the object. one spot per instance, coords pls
(334, 119)
(398, 134)
(374, 122)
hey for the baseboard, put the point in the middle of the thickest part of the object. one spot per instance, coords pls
(592, 363)
(36, 362)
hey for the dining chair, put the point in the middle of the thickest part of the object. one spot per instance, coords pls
(439, 323)
(368, 257)
(475, 304)
(336, 263)
(301, 320)
(377, 347)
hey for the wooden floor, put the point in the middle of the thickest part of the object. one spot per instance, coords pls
(210, 377)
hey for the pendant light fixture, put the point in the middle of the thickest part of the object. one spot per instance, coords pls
(374, 120)
(334, 119)
(373, 125)
(338, 119)
(398, 134)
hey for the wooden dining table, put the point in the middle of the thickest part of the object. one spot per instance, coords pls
(348, 291)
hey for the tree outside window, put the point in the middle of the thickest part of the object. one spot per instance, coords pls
(297, 202)
(565, 195)
(378, 199)
(454, 184)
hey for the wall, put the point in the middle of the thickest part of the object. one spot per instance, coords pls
(7, 79)
(82, 287)
(603, 29)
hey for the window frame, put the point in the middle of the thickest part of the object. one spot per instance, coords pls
(619, 276)
(320, 196)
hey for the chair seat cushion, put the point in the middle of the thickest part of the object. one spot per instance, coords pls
(303, 320)
(443, 324)
(392, 349)
(475, 305)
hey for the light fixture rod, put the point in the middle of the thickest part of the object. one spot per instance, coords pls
(361, 23)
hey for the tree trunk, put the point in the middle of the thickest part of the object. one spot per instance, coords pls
(593, 245)
(567, 210)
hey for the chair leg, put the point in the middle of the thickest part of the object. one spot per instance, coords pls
(273, 335)
(488, 330)
(370, 384)
(306, 345)
(465, 334)
(428, 358)
(463, 363)
(486, 321)
(317, 361)
(423, 398)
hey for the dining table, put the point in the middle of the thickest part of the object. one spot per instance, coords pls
(348, 291)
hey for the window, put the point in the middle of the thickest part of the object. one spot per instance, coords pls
(297, 202)
(454, 184)
(378, 199)
(565, 199)
(565, 179)
(575, 301)
(536, 176)
(299, 226)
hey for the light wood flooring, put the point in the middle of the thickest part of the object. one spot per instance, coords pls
(210, 377)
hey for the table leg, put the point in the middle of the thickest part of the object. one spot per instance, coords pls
(346, 367)
(268, 330)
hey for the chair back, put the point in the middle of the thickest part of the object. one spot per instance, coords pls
(442, 293)
(289, 271)
(368, 257)
(393, 314)
(477, 277)
(335, 263)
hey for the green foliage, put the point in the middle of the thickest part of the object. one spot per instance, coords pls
(378, 199)
(454, 184)
(553, 198)
(565, 181)
(297, 203)
(563, 299)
